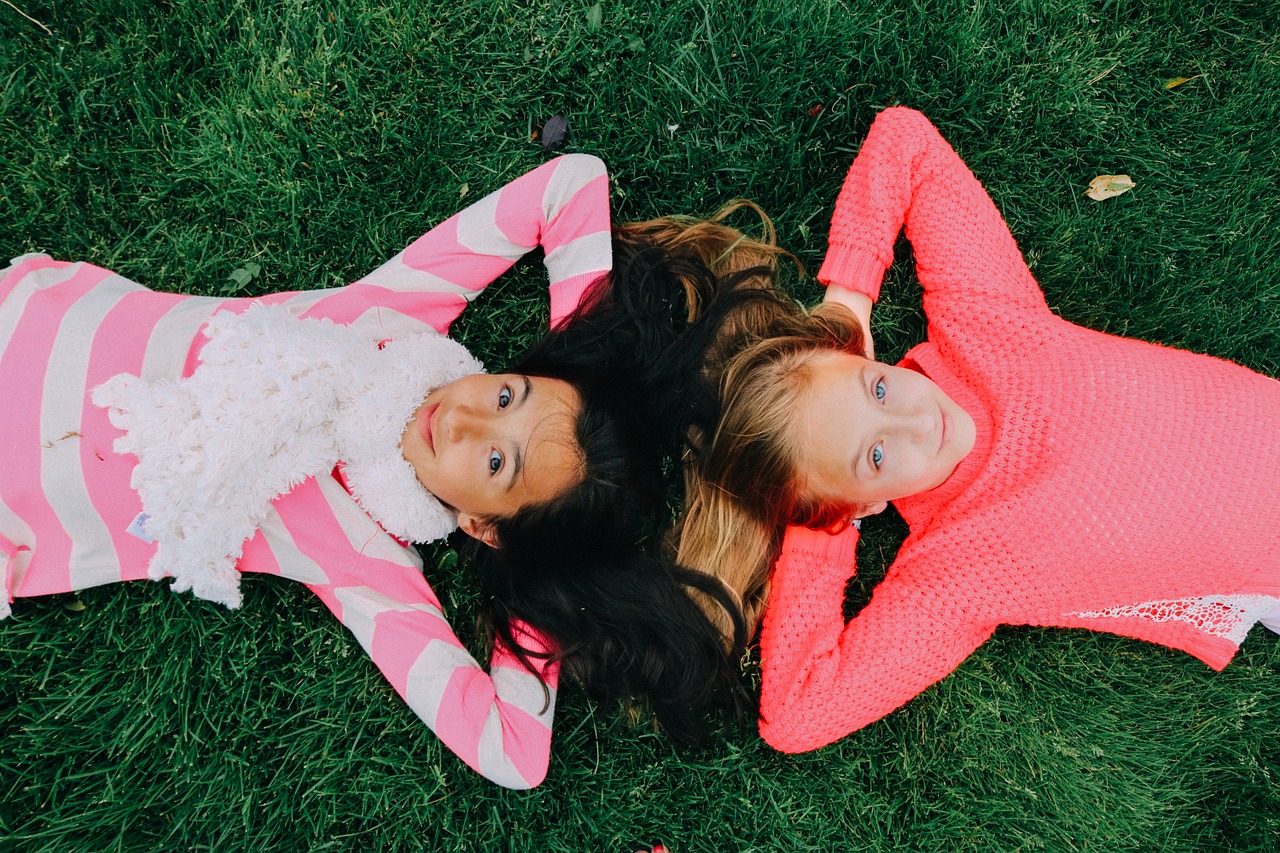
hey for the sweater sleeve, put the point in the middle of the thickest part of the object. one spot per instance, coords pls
(497, 721)
(907, 176)
(562, 206)
(823, 678)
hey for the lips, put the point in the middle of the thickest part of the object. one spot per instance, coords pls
(427, 426)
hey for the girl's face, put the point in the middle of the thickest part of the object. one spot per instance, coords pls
(489, 444)
(868, 433)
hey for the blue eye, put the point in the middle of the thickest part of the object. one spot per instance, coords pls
(878, 389)
(877, 456)
(504, 397)
(495, 462)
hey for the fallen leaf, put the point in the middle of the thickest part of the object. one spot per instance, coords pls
(815, 110)
(74, 606)
(595, 17)
(1178, 81)
(242, 276)
(554, 132)
(1108, 186)
(463, 190)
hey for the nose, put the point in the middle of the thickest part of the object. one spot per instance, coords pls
(914, 425)
(462, 422)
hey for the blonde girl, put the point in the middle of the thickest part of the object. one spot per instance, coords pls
(1050, 475)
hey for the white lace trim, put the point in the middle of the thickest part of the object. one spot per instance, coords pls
(1226, 616)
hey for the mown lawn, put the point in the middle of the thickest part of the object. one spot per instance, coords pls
(179, 142)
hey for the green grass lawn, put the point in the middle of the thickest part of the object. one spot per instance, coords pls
(177, 142)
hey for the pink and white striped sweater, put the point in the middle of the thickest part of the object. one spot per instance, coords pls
(65, 500)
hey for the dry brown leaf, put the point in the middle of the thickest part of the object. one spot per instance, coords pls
(1178, 81)
(1108, 186)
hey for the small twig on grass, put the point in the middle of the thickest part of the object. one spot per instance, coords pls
(1098, 77)
(28, 17)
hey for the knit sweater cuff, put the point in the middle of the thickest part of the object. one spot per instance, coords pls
(853, 269)
(822, 551)
(568, 293)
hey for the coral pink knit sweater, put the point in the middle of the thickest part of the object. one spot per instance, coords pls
(1115, 485)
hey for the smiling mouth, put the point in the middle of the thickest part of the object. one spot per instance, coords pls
(943, 429)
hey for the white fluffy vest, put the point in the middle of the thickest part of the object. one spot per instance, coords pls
(275, 400)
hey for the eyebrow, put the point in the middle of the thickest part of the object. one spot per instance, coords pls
(517, 461)
(864, 377)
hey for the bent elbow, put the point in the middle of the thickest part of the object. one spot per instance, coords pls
(788, 741)
(518, 780)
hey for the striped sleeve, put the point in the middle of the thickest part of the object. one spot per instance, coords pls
(497, 721)
(66, 507)
(561, 206)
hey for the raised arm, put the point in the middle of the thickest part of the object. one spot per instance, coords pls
(907, 176)
(499, 721)
(823, 678)
(562, 206)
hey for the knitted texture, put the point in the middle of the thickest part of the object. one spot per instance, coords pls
(1114, 485)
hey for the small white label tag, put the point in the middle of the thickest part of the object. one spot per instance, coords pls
(138, 527)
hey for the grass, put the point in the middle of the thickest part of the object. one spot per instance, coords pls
(176, 142)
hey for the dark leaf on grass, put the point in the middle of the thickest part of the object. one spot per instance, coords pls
(554, 132)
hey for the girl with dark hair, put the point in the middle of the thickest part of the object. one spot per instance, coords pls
(620, 616)
(312, 434)
(1051, 475)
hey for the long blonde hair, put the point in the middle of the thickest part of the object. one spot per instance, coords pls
(741, 489)
(706, 537)
(740, 485)
(737, 260)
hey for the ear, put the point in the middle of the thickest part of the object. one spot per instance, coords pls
(865, 510)
(478, 528)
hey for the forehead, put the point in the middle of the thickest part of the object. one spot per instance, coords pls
(835, 362)
(552, 459)
(547, 397)
(825, 417)
(825, 379)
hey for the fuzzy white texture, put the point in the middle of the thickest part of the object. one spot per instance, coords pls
(275, 400)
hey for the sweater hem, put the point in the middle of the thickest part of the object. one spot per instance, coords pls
(567, 296)
(853, 269)
(821, 547)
